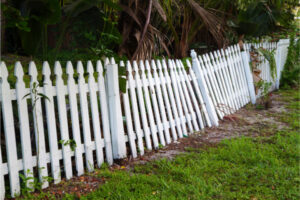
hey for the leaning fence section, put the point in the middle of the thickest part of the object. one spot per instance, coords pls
(70, 121)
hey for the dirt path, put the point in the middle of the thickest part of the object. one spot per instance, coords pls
(248, 121)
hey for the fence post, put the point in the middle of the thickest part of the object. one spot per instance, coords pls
(204, 91)
(115, 113)
(249, 77)
(278, 64)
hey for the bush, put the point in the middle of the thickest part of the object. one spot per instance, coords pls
(291, 72)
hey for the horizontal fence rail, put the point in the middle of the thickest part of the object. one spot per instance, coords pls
(66, 121)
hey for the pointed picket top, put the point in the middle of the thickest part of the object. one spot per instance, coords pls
(46, 71)
(106, 61)
(188, 64)
(128, 66)
(170, 64)
(112, 60)
(164, 64)
(3, 71)
(90, 68)
(70, 69)
(18, 71)
(57, 68)
(80, 69)
(200, 58)
(158, 64)
(99, 67)
(142, 67)
(147, 64)
(122, 64)
(223, 52)
(153, 66)
(135, 68)
(32, 70)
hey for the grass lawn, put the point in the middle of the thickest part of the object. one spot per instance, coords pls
(242, 168)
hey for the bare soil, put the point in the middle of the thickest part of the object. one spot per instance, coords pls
(248, 121)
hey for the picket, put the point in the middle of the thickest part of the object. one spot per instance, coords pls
(75, 118)
(198, 94)
(95, 113)
(51, 123)
(183, 118)
(190, 91)
(155, 104)
(24, 125)
(145, 84)
(63, 120)
(135, 111)
(164, 101)
(104, 113)
(141, 102)
(173, 121)
(9, 129)
(38, 126)
(157, 90)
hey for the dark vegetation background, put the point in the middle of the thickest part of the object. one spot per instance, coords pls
(135, 29)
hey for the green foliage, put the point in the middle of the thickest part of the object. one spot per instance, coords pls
(242, 168)
(270, 56)
(31, 18)
(70, 142)
(291, 72)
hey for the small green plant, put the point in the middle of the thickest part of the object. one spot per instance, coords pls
(31, 184)
(270, 56)
(264, 86)
(69, 142)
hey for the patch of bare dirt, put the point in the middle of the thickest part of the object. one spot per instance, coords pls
(248, 121)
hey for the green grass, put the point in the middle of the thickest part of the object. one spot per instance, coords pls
(242, 168)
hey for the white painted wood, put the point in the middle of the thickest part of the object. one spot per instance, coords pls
(142, 108)
(95, 113)
(2, 183)
(249, 77)
(233, 78)
(186, 96)
(135, 111)
(223, 105)
(104, 113)
(9, 131)
(162, 108)
(145, 84)
(179, 83)
(24, 125)
(63, 120)
(152, 92)
(242, 74)
(84, 110)
(51, 123)
(75, 118)
(207, 83)
(173, 121)
(38, 127)
(204, 63)
(225, 66)
(222, 82)
(174, 88)
(131, 136)
(191, 92)
(115, 112)
(198, 94)
(204, 90)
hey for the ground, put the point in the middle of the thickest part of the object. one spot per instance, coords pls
(253, 154)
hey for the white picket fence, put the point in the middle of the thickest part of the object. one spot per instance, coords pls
(165, 100)
(280, 50)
